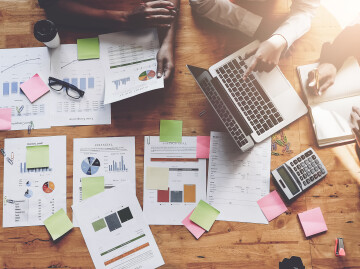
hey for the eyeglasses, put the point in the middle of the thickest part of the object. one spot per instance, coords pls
(71, 90)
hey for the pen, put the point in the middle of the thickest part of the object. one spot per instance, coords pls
(317, 82)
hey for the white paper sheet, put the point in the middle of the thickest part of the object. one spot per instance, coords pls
(115, 230)
(181, 173)
(110, 157)
(129, 61)
(236, 181)
(86, 75)
(32, 195)
(17, 66)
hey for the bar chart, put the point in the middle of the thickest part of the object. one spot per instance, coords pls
(11, 88)
(23, 169)
(118, 166)
(82, 83)
(121, 81)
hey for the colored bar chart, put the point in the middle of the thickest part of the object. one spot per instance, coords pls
(11, 88)
(32, 170)
(167, 196)
(118, 166)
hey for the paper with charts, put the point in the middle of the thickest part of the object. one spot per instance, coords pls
(129, 60)
(16, 67)
(187, 180)
(110, 157)
(115, 230)
(236, 181)
(32, 195)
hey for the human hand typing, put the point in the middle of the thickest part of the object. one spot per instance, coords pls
(266, 56)
(327, 74)
(152, 14)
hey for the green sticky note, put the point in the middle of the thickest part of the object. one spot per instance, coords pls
(157, 178)
(204, 215)
(37, 156)
(171, 131)
(58, 224)
(88, 48)
(91, 186)
(98, 225)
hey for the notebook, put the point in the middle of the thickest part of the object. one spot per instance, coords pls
(330, 112)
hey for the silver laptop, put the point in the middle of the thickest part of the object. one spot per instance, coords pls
(251, 110)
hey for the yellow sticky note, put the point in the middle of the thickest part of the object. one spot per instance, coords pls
(91, 186)
(157, 178)
(58, 224)
(37, 156)
(88, 48)
(171, 131)
(204, 215)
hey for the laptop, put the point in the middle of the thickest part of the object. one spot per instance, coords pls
(251, 110)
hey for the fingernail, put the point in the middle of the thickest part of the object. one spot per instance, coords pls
(159, 75)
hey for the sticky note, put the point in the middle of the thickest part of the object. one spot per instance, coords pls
(5, 119)
(272, 205)
(34, 88)
(312, 221)
(58, 224)
(91, 186)
(203, 147)
(204, 215)
(37, 156)
(157, 178)
(88, 48)
(196, 230)
(171, 131)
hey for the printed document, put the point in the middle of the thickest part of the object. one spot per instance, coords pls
(129, 61)
(186, 182)
(236, 181)
(115, 230)
(110, 157)
(32, 195)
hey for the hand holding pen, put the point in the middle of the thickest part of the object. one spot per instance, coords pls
(321, 78)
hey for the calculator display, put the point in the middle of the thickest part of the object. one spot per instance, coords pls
(288, 180)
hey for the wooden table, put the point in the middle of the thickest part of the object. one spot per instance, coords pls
(228, 244)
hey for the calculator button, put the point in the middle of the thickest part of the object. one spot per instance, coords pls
(316, 168)
(295, 162)
(312, 171)
(301, 177)
(302, 170)
(307, 154)
(302, 157)
(319, 173)
(295, 169)
(314, 157)
(316, 176)
(323, 171)
(291, 163)
(308, 180)
(298, 166)
(298, 159)
(303, 164)
(312, 178)
(317, 161)
(298, 173)
(307, 161)
(320, 167)
(314, 164)
(304, 182)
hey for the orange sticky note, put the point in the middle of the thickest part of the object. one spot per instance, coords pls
(34, 88)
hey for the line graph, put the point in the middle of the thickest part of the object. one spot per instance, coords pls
(11, 66)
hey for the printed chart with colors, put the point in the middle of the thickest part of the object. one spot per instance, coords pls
(90, 165)
(48, 187)
(147, 75)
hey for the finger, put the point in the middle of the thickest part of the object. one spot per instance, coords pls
(160, 25)
(154, 4)
(160, 69)
(356, 109)
(160, 19)
(158, 11)
(268, 66)
(250, 68)
(168, 71)
(311, 79)
(355, 119)
(250, 53)
(325, 86)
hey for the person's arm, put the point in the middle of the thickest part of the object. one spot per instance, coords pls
(165, 56)
(78, 13)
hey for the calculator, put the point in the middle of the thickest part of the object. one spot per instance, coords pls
(299, 174)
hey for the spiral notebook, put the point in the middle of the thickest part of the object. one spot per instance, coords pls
(330, 112)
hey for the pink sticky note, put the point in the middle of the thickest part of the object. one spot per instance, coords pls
(312, 221)
(196, 230)
(5, 119)
(34, 88)
(203, 147)
(272, 205)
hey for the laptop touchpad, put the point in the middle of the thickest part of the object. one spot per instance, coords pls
(274, 82)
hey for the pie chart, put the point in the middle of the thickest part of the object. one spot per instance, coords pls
(147, 75)
(90, 165)
(48, 187)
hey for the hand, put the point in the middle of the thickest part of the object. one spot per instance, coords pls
(266, 56)
(327, 74)
(165, 61)
(153, 14)
(355, 123)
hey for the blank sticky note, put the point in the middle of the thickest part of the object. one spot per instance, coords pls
(88, 48)
(189, 193)
(34, 88)
(204, 215)
(37, 156)
(272, 205)
(171, 131)
(203, 147)
(91, 186)
(196, 230)
(157, 178)
(312, 221)
(58, 224)
(5, 119)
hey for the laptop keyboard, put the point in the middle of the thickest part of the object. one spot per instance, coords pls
(249, 96)
(227, 118)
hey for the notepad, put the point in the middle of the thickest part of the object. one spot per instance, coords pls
(5, 119)
(91, 186)
(204, 215)
(312, 221)
(193, 228)
(157, 178)
(171, 131)
(272, 206)
(37, 156)
(34, 88)
(58, 224)
(88, 48)
(203, 147)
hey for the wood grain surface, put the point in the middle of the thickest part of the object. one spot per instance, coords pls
(228, 244)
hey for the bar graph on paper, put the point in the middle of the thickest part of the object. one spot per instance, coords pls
(83, 83)
(118, 166)
(24, 170)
